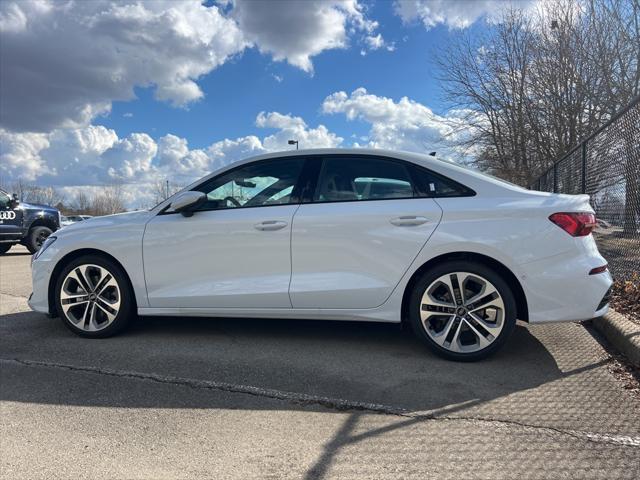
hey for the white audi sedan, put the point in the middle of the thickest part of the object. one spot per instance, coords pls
(336, 234)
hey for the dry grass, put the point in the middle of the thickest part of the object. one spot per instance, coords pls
(625, 297)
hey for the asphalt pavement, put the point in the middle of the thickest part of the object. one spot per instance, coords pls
(243, 398)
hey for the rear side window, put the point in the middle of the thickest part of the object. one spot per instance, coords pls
(344, 179)
(431, 184)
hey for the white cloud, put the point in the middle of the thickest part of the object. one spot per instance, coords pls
(295, 128)
(376, 42)
(20, 155)
(453, 13)
(295, 32)
(63, 63)
(402, 125)
(88, 157)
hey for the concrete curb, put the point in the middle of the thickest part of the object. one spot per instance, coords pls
(623, 334)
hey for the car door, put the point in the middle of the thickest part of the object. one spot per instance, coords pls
(356, 237)
(10, 218)
(234, 252)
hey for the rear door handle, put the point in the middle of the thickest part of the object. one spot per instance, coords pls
(408, 221)
(269, 225)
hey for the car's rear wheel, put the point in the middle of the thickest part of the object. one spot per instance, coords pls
(36, 237)
(4, 247)
(93, 297)
(463, 310)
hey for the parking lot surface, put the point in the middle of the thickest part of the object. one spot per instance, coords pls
(236, 398)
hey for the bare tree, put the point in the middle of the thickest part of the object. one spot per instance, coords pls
(163, 189)
(537, 84)
(81, 202)
(108, 201)
(32, 193)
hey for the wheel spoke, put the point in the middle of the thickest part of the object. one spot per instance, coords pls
(80, 283)
(437, 307)
(86, 316)
(453, 343)
(67, 306)
(105, 282)
(107, 309)
(82, 280)
(93, 325)
(440, 338)
(67, 297)
(492, 329)
(446, 281)
(487, 300)
(456, 285)
(482, 340)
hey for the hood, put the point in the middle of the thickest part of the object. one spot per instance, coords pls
(37, 206)
(107, 221)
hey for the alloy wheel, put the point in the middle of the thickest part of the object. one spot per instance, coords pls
(462, 312)
(90, 297)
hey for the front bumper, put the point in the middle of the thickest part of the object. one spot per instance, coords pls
(40, 274)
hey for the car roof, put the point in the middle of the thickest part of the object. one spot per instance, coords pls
(472, 178)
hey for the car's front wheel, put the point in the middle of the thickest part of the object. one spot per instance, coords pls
(463, 310)
(4, 247)
(93, 297)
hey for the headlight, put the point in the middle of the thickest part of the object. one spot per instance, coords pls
(46, 244)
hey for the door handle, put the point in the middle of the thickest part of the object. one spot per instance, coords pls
(270, 225)
(408, 221)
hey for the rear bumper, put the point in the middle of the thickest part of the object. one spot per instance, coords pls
(560, 289)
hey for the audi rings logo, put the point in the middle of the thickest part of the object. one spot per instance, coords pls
(9, 215)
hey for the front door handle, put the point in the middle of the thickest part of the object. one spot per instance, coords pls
(408, 221)
(270, 225)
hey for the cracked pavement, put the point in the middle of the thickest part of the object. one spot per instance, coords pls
(230, 398)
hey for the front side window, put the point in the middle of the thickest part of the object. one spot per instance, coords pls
(270, 182)
(353, 178)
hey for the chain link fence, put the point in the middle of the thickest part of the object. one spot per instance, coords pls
(606, 166)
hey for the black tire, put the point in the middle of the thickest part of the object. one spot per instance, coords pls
(4, 247)
(127, 308)
(35, 238)
(509, 316)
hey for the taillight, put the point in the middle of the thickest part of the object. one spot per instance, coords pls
(576, 224)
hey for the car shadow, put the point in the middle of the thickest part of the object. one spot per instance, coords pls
(353, 361)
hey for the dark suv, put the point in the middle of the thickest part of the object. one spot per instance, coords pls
(25, 223)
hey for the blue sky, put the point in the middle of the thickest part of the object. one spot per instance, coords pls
(237, 91)
(137, 91)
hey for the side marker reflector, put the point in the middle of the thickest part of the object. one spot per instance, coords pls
(595, 271)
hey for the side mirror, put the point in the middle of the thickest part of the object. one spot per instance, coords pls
(187, 202)
(14, 201)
